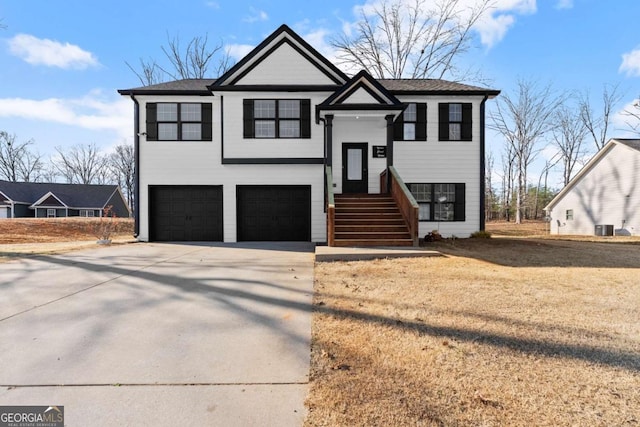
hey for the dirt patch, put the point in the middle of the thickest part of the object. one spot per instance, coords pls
(31, 230)
(496, 332)
(30, 236)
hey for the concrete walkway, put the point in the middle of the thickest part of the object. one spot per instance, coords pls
(160, 334)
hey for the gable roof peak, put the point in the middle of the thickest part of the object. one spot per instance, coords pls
(283, 34)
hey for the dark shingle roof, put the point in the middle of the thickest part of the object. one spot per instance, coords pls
(423, 86)
(186, 86)
(72, 195)
(633, 143)
(432, 86)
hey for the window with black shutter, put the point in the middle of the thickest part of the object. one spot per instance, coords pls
(277, 118)
(172, 121)
(411, 125)
(455, 122)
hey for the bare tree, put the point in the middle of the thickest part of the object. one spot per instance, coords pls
(17, 161)
(82, 164)
(633, 116)
(598, 124)
(150, 73)
(193, 62)
(569, 135)
(508, 178)
(491, 199)
(122, 165)
(523, 120)
(396, 38)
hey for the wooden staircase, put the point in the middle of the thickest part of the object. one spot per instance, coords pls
(369, 220)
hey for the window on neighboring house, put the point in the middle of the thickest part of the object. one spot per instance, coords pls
(455, 122)
(411, 125)
(171, 121)
(569, 214)
(51, 213)
(87, 213)
(440, 202)
(277, 118)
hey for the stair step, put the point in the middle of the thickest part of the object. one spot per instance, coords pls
(372, 235)
(361, 204)
(373, 242)
(364, 228)
(366, 210)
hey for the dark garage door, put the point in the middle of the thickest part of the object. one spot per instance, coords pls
(274, 213)
(185, 213)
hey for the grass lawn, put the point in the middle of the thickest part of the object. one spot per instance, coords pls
(502, 331)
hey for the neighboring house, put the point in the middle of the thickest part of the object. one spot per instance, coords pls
(271, 150)
(42, 200)
(604, 197)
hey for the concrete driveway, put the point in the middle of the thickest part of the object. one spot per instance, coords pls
(160, 334)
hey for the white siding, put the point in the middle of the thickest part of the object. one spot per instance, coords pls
(434, 161)
(4, 212)
(351, 130)
(199, 163)
(608, 193)
(285, 66)
(360, 96)
(236, 146)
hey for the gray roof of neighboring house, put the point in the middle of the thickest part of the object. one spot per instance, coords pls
(199, 87)
(633, 143)
(72, 195)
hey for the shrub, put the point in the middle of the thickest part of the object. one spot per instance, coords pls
(481, 235)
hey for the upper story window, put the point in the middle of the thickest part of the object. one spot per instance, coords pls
(569, 214)
(411, 125)
(172, 121)
(277, 118)
(455, 120)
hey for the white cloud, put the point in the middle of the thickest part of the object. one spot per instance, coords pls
(631, 63)
(212, 4)
(255, 16)
(92, 112)
(50, 52)
(238, 51)
(494, 25)
(564, 4)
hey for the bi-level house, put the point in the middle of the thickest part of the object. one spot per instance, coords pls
(285, 146)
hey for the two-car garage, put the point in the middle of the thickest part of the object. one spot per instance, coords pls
(263, 213)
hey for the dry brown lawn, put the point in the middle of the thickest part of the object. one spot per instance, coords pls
(497, 332)
(30, 236)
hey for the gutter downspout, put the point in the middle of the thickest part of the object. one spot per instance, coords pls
(136, 174)
(483, 183)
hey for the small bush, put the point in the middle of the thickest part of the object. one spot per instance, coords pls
(481, 235)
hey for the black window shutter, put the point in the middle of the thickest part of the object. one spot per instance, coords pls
(305, 118)
(443, 122)
(467, 130)
(248, 118)
(398, 128)
(152, 124)
(421, 121)
(207, 115)
(459, 206)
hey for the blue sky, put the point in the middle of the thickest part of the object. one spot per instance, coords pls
(62, 61)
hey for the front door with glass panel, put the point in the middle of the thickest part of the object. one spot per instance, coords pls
(354, 168)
